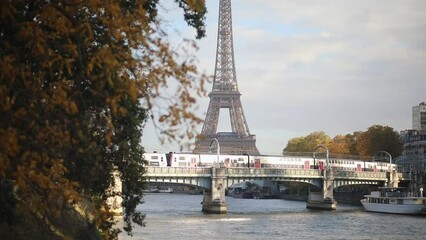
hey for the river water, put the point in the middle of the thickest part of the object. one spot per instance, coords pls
(179, 216)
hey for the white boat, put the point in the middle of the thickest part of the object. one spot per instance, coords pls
(157, 190)
(152, 190)
(394, 200)
(168, 190)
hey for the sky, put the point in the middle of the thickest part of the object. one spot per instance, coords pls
(337, 66)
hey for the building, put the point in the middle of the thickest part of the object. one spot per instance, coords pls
(419, 117)
(413, 158)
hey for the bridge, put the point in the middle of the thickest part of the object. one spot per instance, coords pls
(216, 179)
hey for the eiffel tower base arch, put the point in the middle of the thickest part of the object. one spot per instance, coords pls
(228, 145)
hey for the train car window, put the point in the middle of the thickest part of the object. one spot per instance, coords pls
(154, 157)
(181, 158)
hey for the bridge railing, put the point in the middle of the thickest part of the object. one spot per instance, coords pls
(271, 172)
(177, 171)
(260, 172)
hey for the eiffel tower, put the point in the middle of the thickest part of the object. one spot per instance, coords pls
(225, 95)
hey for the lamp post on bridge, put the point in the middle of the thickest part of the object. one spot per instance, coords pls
(323, 199)
(326, 159)
(217, 149)
(381, 153)
(214, 200)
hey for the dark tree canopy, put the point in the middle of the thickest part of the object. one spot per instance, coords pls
(379, 138)
(77, 82)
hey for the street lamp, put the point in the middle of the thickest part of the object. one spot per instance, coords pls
(217, 149)
(326, 160)
(248, 160)
(380, 153)
(385, 153)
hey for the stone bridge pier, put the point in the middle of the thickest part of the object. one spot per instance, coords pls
(323, 199)
(214, 198)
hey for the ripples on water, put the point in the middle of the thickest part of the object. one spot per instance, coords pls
(178, 216)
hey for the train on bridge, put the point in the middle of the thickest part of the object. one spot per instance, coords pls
(172, 159)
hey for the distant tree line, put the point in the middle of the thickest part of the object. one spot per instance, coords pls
(376, 138)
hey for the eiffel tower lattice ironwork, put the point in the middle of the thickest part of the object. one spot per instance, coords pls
(225, 94)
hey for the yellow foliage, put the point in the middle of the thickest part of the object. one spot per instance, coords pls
(108, 138)
(7, 10)
(62, 64)
(72, 108)
(9, 141)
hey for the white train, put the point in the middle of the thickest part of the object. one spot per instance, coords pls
(245, 161)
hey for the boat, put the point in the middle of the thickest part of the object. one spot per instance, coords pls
(168, 190)
(395, 200)
(262, 193)
(243, 195)
(152, 190)
(158, 190)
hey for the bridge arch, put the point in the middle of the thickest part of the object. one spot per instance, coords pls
(184, 181)
(345, 183)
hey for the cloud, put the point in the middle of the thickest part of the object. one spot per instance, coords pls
(338, 65)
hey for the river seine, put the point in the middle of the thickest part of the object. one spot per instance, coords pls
(179, 216)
